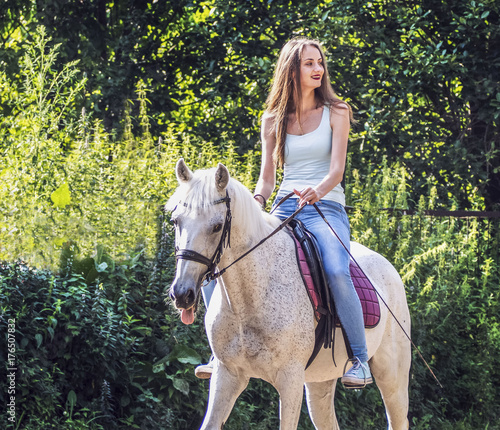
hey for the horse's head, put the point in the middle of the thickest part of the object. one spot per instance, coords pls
(201, 216)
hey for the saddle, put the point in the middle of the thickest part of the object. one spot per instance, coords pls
(315, 281)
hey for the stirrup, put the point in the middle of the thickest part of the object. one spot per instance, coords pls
(353, 381)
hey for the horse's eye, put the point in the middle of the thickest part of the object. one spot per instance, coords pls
(217, 228)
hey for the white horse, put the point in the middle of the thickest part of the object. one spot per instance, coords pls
(260, 322)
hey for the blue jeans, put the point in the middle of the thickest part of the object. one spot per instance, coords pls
(336, 264)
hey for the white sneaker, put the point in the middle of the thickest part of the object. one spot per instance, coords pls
(204, 371)
(358, 376)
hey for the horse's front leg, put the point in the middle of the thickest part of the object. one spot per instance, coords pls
(225, 388)
(290, 386)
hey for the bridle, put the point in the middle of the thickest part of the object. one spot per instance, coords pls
(225, 241)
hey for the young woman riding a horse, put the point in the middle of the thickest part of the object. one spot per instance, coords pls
(260, 322)
(305, 130)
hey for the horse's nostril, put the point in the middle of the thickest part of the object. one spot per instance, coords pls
(172, 296)
(190, 297)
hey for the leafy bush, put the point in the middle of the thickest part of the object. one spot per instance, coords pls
(107, 350)
(64, 179)
(451, 271)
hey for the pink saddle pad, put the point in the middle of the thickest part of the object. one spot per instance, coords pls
(367, 295)
(364, 288)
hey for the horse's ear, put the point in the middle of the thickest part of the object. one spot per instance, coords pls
(182, 171)
(221, 177)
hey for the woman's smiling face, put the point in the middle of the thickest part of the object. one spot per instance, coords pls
(311, 67)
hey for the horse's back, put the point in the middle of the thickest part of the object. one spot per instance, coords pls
(371, 261)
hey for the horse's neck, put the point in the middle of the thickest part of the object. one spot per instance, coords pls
(245, 282)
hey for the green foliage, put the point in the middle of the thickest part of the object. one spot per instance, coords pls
(422, 76)
(65, 182)
(103, 352)
(99, 346)
(451, 271)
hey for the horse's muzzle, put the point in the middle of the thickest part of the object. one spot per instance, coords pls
(185, 298)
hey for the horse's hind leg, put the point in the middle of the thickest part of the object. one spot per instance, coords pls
(224, 390)
(320, 402)
(391, 367)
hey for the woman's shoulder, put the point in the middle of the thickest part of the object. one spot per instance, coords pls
(340, 105)
(268, 123)
(340, 115)
(268, 118)
(267, 115)
(338, 110)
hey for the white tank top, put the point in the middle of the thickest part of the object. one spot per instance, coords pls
(307, 160)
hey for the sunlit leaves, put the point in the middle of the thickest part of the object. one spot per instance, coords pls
(61, 197)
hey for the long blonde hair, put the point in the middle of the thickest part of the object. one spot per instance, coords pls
(285, 96)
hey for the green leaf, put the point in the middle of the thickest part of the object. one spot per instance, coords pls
(61, 197)
(124, 401)
(184, 354)
(39, 340)
(145, 331)
(72, 398)
(181, 385)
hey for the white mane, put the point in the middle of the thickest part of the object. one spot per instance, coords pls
(201, 192)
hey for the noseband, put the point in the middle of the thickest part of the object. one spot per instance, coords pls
(225, 239)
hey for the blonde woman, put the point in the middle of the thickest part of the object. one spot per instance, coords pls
(305, 131)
